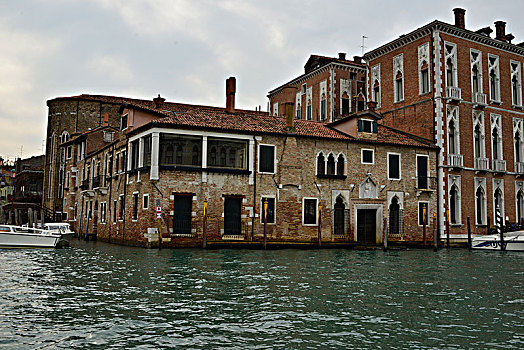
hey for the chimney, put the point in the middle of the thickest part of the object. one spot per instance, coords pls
(500, 30)
(372, 105)
(231, 89)
(357, 59)
(342, 56)
(159, 101)
(105, 121)
(290, 116)
(460, 20)
(510, 37)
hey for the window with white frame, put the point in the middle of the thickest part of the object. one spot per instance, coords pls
(450, 54)
(423, 68)
(398, 77)
(345, 97)
(496, 137)
(516, 83)
(476, 72)
(394, 167)
(454, 199)
(145, 202)
(323, 100)
(266, 160)
(271, 217)
(321, 164)
(423, 213)
(367, 156)
(298, 105)
(341, 164)
(309, 103)
(453, 129)
(518, 144)
(375, 84)
(480, 201)
(121, 212)
(478, 134)
(519, 202)
(494, 78)
(135, 206)
(124, 121)
(309, 211)
(275, 109)
(103, 209)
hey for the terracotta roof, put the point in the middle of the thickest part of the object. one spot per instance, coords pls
(393, 136)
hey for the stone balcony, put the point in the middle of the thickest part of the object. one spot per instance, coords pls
(481, 164)
(499, 165)
(455, 160)
(519, 167)
(453, 93)
(480, 99)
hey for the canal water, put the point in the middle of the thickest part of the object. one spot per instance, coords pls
(100, 296)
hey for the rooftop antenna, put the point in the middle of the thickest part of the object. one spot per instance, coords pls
(21, 150)
(363, 46)
(43, 145)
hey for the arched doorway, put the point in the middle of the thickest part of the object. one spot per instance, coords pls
(339, 217)
(394, 217)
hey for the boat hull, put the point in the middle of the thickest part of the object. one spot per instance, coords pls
(27, 240)
(515, 243)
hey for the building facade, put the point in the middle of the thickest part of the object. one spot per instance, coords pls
(463, 89)
(329, 89)
(155, 175)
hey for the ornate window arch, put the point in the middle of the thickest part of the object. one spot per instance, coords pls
(321, 164)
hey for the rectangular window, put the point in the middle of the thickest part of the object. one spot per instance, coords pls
(121, 212)
(323, 110)
(266, 159)
(368, 156)
(303, 90)
(423, 208)
(309, 112)
(309, 211)
(123, 160)
(117, 162)
(270, 210)
(69, 152)
(135, 206)
(103, 212)
(123, 122)
(422, 172)
(181, 150)
(365, 125)
(423, 68)
(134, 155)
(114, 210)
(145, 205)
(226, 153)
(393, 166)
(494, 78)
(147, 150)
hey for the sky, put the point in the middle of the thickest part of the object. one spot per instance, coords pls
(184, 50)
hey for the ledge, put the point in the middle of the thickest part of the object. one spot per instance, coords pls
(335, 177)
(209, 170)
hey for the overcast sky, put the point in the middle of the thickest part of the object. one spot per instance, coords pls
(185, 50)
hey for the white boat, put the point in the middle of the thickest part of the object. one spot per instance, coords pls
(61, 228)
(21, 237)
(513, 241)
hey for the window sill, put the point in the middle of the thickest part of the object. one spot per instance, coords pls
(517, 106)
(310, 225)
(423, 93)
(266, 173)
(334, 177)
(495, 102)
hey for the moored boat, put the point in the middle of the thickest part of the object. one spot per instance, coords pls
(26, 237)
(513, 241)
(61, 228)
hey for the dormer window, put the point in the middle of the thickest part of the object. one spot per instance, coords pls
(366, 125)
(123, 121)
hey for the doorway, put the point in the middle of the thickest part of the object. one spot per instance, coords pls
(182, 214)
(232, 215)
(367, 226)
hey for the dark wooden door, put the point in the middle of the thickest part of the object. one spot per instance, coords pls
(232, 219)
(367, 226)
(182, 215)
(340, 220)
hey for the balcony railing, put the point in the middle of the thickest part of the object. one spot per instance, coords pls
(480, 99)
(499, 165)
(455, 160)
(426, 183)
(96, 181)
(85, 185)
(481, 163)
(519, 167)
(454, 93)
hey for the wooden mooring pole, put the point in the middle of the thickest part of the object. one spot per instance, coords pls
(204, 233)
(424, 211)
(447, 229)
(469, 234)
(385, 234)
(435, 234)
(319, 224)
(265, 223)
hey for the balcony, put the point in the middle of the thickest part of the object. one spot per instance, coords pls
(453, 93)
(481, 164)
(96, 181)
(85, 185)
(499, 165)
(519, 167)
(480, 99)
(425, 184)
(455, 160)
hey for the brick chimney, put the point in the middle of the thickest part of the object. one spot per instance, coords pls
(510, 37)
(341, 55)
(372, 105)
(357, 59)
(460, 18)
(500, 30)
(159, 101)
(231, 89)
(105, 120)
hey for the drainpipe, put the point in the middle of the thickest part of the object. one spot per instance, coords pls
(254, 189)
(125, 190)
(110, 192)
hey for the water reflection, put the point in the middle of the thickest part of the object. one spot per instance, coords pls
(102, 296)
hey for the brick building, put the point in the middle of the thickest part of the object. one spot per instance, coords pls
(462, 88)
(329, 89)
(176, 157)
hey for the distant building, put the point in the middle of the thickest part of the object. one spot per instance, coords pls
(463, 89)
(7, 180)
(166, 160)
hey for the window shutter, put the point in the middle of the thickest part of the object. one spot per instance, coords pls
(375, 127)
(360, 125)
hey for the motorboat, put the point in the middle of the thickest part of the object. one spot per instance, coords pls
(513, 241)
(22, 237)
(61, 228)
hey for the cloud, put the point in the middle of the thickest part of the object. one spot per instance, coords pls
(111, 67)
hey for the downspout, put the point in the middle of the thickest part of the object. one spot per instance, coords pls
(254, 189)
(110, 192)
(76, 122)
(125, 190)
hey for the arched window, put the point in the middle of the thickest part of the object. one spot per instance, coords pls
(493, 85)
(345, 103)
(376, 91)
(475, 79)
(331, 165)
(299, 112)
(453, 205)
(399, 87)
(479, 197)
(520, 208)
(495, 141)
(321, 163)
(424, 77)
(309, 111)
(340, 165)
(394, 217)
(179, 154)
(323, 107)
(452, 135)
(517, 147)
(515, 90)
(449, 72)
(478, 140)
(339, 217)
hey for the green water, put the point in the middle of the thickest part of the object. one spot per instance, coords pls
(101, 296)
